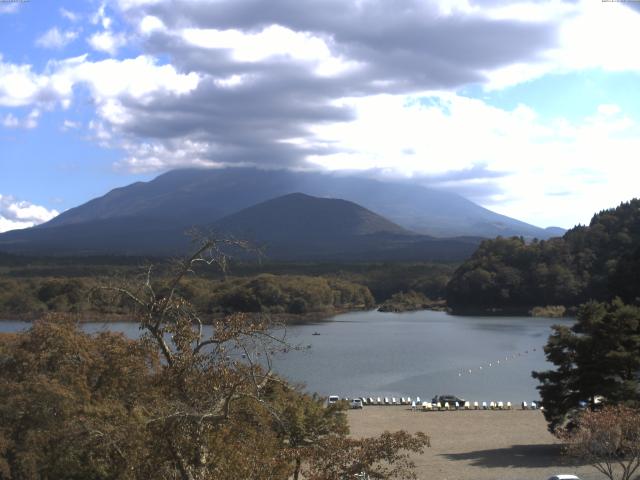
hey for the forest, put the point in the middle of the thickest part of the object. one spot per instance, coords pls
(31, 286)
(595, 262)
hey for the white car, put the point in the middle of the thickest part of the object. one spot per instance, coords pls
(333, 399)
(356, 403)
(564, 477)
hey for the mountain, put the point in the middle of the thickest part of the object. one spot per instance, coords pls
(297, 217)
(554, 232)
(292, 227)
(195, 197)
(301, 227)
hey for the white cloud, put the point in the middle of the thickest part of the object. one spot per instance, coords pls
(107, 42)
(609, 109)
(592, 161)
(150, 157)
(139, 77)
(604, 35)
(69, 15)
(15, 214)
(591, 35)
(20, 86)
(30, 121)
(100, 17)
(70, 125)
(150, 24)
(10, 121)
(131, 4)
(55, 38)
(274, 41)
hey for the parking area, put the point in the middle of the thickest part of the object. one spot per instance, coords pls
(476, 445)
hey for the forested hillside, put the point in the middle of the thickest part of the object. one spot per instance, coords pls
(599, 261)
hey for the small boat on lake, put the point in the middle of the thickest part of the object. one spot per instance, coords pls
(315, 333)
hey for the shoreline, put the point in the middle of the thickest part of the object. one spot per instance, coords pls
(292, 318)
(286, 318)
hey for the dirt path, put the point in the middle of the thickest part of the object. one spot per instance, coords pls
(475, 445)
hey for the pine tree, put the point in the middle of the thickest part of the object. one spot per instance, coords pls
(598, 357)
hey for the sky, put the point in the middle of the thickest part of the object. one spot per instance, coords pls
(531, 109)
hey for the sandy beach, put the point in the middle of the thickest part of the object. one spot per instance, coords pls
(475, 445)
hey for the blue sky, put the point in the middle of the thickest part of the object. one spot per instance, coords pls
(530, 109)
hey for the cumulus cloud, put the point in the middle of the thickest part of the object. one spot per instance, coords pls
(54, 38)
(107, 41)
(268, 78)
(15, 214)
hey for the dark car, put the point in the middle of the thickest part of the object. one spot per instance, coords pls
(450, 399)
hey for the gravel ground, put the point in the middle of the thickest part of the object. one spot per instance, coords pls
(475, 445)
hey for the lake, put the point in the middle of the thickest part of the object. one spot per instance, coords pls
(409, 354)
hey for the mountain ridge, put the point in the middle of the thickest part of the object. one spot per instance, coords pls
(291, 227)
(201, 196)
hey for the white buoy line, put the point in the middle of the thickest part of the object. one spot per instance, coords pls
(495, 363)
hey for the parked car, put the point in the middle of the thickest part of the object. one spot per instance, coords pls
(450, 399)
(356, 403)
(333, 399)
(563, 476)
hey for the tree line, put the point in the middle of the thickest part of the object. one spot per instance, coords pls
(265, 293)
(38, 286)
(595, 262)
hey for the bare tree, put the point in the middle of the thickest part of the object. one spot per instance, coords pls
(204, 373)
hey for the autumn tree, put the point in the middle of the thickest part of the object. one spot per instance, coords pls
(609, 440)
(73, 405)
(303, 422)
(383, 457)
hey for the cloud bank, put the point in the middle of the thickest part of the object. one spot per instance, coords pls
(15, 214)
(335, 84)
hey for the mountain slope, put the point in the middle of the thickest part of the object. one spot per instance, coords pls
(191, 197)
(291, 227)
(297, 217)
(299, 226)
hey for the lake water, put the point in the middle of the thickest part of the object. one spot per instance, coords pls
(409, 354)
